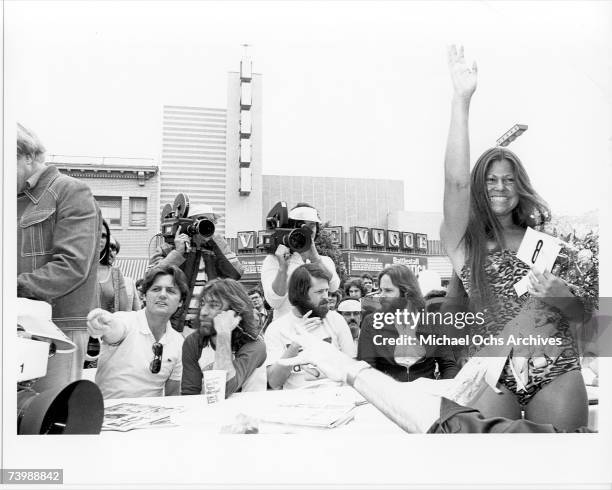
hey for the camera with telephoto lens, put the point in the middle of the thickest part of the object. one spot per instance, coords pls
(183, 218)
(282, 230)
(59, 407)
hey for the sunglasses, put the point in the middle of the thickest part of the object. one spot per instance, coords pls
(113, 247)
(155, 365)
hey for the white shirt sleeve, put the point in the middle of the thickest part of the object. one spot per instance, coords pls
(177, 370)
(343, 333)
(269, 270)
(328, 263)
(274, 343)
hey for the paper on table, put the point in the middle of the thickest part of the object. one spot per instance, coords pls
(310, 414)
(539, 251)
(127, 416)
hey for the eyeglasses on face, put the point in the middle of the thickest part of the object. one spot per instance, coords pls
(158, 350)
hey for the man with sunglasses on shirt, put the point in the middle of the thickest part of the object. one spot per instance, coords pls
(226, 339)
(140, 353)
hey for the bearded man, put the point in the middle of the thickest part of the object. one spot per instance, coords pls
(308, 295)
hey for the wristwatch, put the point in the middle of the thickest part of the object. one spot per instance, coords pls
(354, 371)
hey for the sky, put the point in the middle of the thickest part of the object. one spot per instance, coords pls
(349, 89)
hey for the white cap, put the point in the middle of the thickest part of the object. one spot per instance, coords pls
(305, 213)
(35, 318)
(198, 209)
(349, 305)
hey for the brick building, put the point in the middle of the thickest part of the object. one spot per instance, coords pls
(127, 191)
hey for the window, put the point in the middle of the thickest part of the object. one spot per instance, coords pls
(111, 209)
(138, 211)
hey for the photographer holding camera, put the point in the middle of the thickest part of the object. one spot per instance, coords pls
(203, 255)
(278, 266)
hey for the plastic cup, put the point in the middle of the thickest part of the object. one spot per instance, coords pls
(213, 385)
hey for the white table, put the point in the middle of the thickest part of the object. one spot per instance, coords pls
(200, 417)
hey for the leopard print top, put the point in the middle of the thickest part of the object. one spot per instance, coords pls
(503, 269)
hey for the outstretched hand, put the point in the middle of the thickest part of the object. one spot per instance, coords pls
(464, 77)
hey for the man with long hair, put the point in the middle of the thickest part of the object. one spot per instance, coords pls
(308, 292)
(226, 339)
(382, 344)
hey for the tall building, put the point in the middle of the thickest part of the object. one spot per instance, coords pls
(194, 157)
(343, 202)
(244, 150)
(127, 191)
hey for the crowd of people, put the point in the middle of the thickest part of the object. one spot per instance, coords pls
(302, 326)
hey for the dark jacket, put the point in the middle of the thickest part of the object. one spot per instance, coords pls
(58, 238)
(248, 358)
(382, 357)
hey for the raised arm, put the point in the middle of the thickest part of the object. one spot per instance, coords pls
(457, 158)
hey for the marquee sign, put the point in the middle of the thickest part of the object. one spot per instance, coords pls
(421, 243)
(378, 238)
(393, 239)
(335, 233)
(246, 240)
(361, 236)
(407, 241)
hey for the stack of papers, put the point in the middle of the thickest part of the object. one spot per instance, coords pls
(129, 416)
(321, 415)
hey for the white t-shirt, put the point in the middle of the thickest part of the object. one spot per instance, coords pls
(269, 270)
(333, 329)
(123, 370)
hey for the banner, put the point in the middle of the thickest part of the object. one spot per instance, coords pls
(251, 265)
(360, 262)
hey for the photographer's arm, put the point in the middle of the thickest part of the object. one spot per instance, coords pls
(171, 254)
(226, 261)
(315, 258)
(274, 279)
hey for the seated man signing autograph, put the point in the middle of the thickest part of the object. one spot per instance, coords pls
(412, 406)
(227, 339)
(308, 291)
(140, 352)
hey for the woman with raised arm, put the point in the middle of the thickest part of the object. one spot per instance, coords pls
(486, 214)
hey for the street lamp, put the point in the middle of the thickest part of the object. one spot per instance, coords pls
(510, 135)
